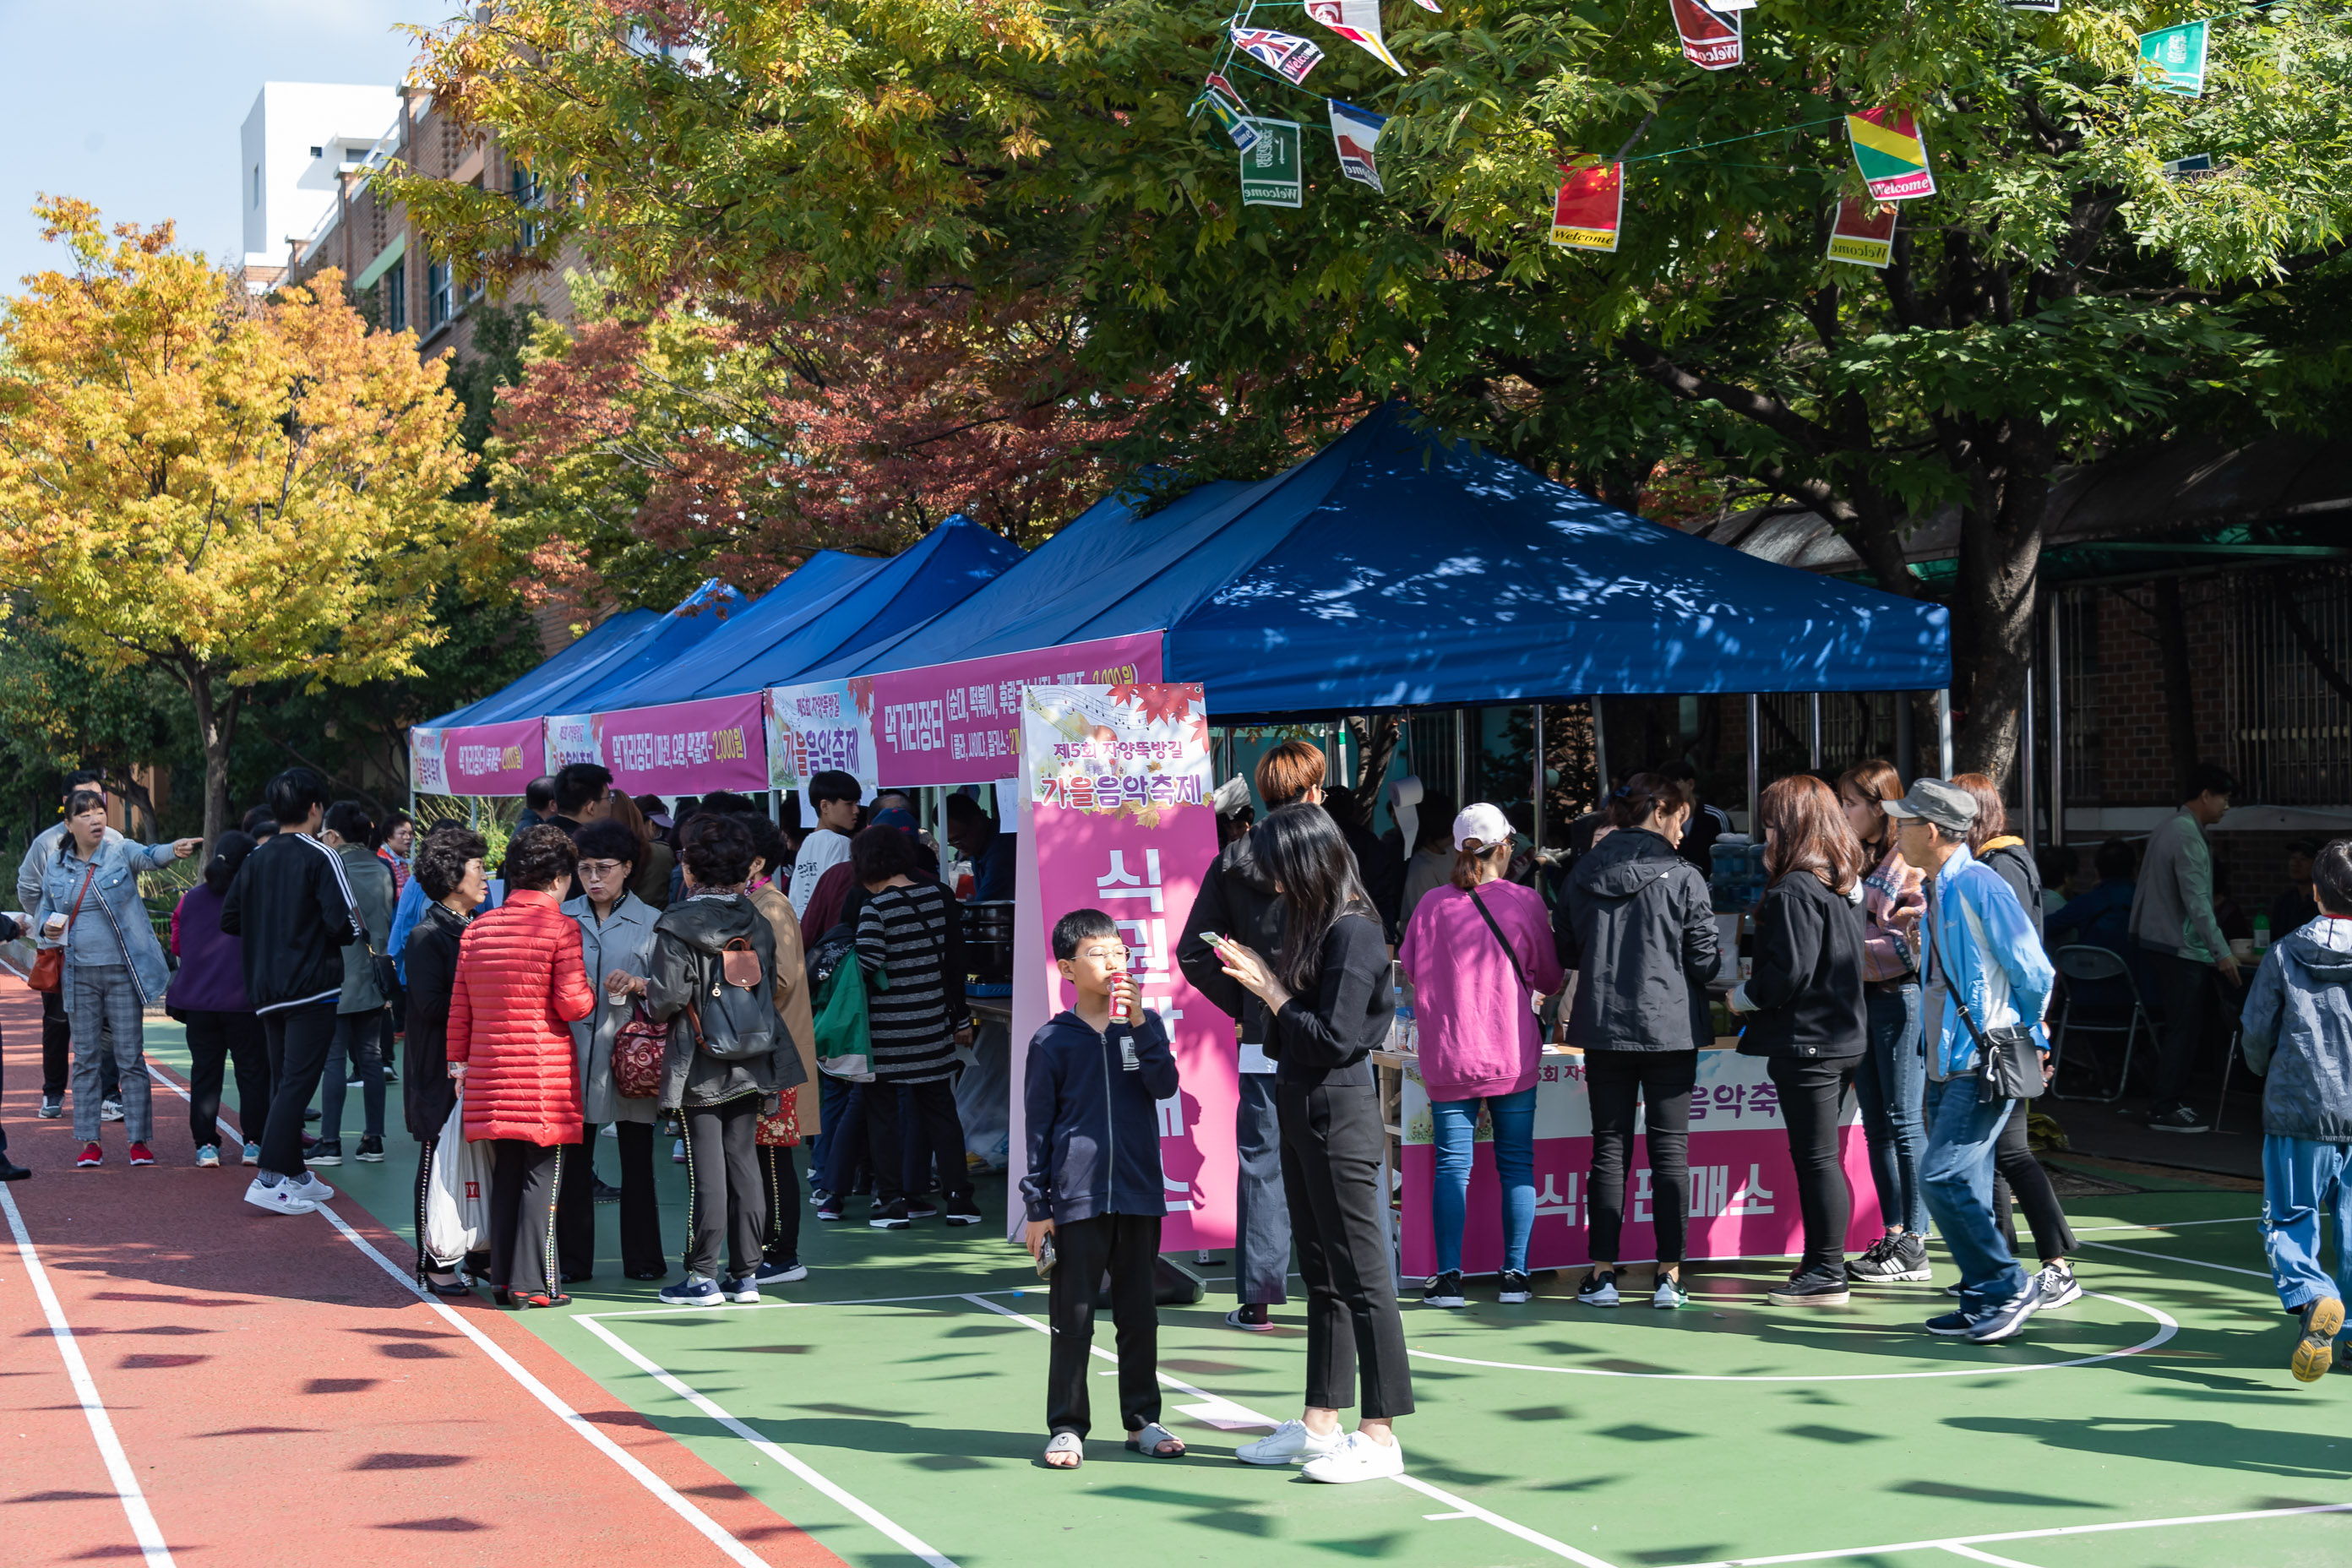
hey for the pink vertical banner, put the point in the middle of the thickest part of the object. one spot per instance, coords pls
(1116, 815)
(957, 723)
(477, 759)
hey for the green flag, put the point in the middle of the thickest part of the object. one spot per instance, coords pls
(1271, 175)
(2179, 54)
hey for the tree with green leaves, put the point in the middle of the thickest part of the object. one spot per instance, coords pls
(2061, 297)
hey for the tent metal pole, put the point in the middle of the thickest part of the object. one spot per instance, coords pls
(1906, 743)
(2057, 733)
(1813, 719)
(2025, 792)
(1600, 754)
(1536, 816)
(1944, 732)
(1754, 762)
(1461, 758)
(775, 805)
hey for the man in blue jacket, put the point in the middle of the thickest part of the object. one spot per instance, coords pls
(1094, 1189)
(1985, 968)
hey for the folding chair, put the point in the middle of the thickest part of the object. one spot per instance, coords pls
(2081, 963)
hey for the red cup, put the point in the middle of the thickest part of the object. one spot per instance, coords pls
(1118, 1001)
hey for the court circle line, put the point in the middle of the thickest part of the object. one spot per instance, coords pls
(2166, 1328)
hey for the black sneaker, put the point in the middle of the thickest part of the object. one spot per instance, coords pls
(1444, 1290)
(1598, 1288)
(785, 1271)
(1893, 1260)
(819, 1197)
(371, 1152)
(886, 1217)
(1950, 1325)
(962, 1211)
(830, 1209)
(1811, 1288)
(324, 1153)
(2008, 1320)
(52, 1107)
(921, 1208)
(2178, 1118)
(1516, 1289)
(604, 1192)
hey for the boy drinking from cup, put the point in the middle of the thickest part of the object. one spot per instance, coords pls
(1093, 1190)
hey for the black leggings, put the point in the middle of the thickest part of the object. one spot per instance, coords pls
(218, 1043)
(1812, 1093)
(2017, 1172)
(780, 1242)
(725, 1208)
(1662, 1081)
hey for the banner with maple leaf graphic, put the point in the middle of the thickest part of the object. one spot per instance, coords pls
(1116, 814)
(958, 723)
(819, 726)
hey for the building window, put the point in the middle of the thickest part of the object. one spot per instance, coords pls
(256, 187)
(2287, 650)
(439, 305)
(395, 297)
(317, 152)
(2078, 681)
(528, 195)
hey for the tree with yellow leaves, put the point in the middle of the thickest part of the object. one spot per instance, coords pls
(225, 490)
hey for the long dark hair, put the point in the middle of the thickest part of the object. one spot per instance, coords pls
(1303, 850)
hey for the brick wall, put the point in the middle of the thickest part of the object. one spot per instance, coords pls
(2133, 755)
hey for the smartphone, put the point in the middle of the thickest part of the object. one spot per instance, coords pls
(1212, 937)
(1046, 1258)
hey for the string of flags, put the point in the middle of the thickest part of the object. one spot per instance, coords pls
(1889, 151)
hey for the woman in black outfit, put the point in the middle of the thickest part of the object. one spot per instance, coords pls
(2016, 1172)
(449, 866)
(1330, 999)
(1636, 924)
(1807, 1013)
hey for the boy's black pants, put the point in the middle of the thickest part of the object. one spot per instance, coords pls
(1127, 1245)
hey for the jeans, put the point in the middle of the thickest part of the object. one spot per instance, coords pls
(934, 1103)
(1456, 1121)
(1891, 1084)
(1813, 1091)
(1332, 1145)
(217, 1041)
(1663, 1081)
(298, 1040)
(358, 1043)
(103, 1002)
(842, 1158)
(1126, 1247)
(1957, 1175)
(2302, 1179)
(1261, 1215)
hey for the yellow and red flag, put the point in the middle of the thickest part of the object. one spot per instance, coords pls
(1590, 206)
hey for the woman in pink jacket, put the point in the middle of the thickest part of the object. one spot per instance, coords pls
(1479, 952)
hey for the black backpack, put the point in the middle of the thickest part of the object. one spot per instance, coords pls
(734, 1018)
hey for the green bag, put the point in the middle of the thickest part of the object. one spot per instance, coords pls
(845, 1036)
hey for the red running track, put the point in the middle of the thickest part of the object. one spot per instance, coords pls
(278, 1396)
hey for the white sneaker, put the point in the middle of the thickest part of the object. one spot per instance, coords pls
(1359, 1459)
(677, 1152)
(283, 1198)
(2059, 1287)
(1291, 1444)
(310, 1187)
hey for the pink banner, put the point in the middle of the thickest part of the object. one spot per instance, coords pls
(1743, 1183)
(477, 759)
(1139, 854)
(679, 748)
(955, 723)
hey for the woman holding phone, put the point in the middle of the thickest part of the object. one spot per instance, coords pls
(1328, 997)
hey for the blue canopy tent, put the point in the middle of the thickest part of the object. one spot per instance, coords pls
(694, 618)
(564, 664)
(941, 569)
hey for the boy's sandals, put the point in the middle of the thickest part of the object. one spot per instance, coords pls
(1156, 1441)
(1062, 1443)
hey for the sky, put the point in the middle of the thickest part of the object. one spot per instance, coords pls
(136, 105)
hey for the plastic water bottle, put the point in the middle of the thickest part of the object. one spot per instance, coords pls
(2262, 932)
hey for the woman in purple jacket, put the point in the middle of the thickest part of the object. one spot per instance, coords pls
(207, 995)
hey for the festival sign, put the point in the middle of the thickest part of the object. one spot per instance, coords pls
(961, 723)
(1359, 21)
(475, 759)
(1710, 33)
(1355, 132)
(1891, 154)
(1863, 233)
(1590, 207)
(1116, 787)
(1272, 175)
(678, 748)
(2177, 55)
(825, 725)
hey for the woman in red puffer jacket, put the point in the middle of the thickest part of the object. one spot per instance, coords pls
(519, 986)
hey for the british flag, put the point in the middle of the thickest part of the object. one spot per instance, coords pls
(1286, 53)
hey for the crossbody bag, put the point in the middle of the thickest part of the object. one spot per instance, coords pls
(49, 972)
(1509, 950)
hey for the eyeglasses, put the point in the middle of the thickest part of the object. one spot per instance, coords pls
(601, 868)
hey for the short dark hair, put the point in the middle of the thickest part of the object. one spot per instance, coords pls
(84, 778)
(964, 808)
(650, 804)
(1079, 926)
(2211, 778)
(767, 841)
(542, 858)
(292, 794)
(350, 820)
(256, 818)
(2056, 862)
(581, 783)
(717, 848)
(383, 831)
(2116, 859)
(831, 784)
(608, 838)
(2331, 877)
(878, 854)
(441, 860)
(83, 800)
(731, 804)
(539, 794)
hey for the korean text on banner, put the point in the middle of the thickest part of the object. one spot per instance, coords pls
(1863, 233)
(2177, 55)
(957, 723)
(1271, 176)
(1116, 784)
(1891, 154)
(1710, 34)
(679, 748)
(820, 727)
(477, 759)
(1590, 207)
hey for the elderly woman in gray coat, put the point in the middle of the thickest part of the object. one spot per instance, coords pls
(616, 939)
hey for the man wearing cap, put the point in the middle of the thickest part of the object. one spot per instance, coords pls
(1979, 952)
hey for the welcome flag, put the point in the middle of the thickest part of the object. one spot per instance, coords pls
(1271, 170)
(1236, 123)
(2178, 55)
(1863, 233)
(1891, 154)
(1359, 21)
(1355, 131)
(1285, 53)
(1710, 34)
(1590, 206)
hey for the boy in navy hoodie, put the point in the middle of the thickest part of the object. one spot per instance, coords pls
(1092, 1092)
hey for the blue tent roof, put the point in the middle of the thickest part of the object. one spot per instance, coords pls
(582, 690)
(560, 665)
(941, 569)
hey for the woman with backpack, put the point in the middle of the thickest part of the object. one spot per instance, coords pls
(713, 981)
(1479, 957)
(519, 983)
(772, 862)
(1638, 927)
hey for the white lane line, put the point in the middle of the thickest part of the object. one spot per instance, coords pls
(1948, 1542)
(871, 1515)
(2192, 1262)
(1956, 1550)
(2174, 1224)
(101, 1427)
(708, 1527)
(1463, 1508)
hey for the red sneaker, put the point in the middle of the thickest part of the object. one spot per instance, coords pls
(91, 1154)
(141, 1155)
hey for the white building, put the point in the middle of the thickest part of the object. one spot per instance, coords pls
(298, 139)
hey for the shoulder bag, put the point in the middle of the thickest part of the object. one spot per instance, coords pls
(638, 1053)
(1509, 950)
(48, 971)
(2008, 1064)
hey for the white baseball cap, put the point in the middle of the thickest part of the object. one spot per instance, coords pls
(1481, 826)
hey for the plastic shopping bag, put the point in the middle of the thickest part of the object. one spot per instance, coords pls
(456, 1195)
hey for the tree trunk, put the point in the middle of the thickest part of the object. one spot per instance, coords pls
(1375, 749)
(216, 727)
(2179, 699)
(2001, 552)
